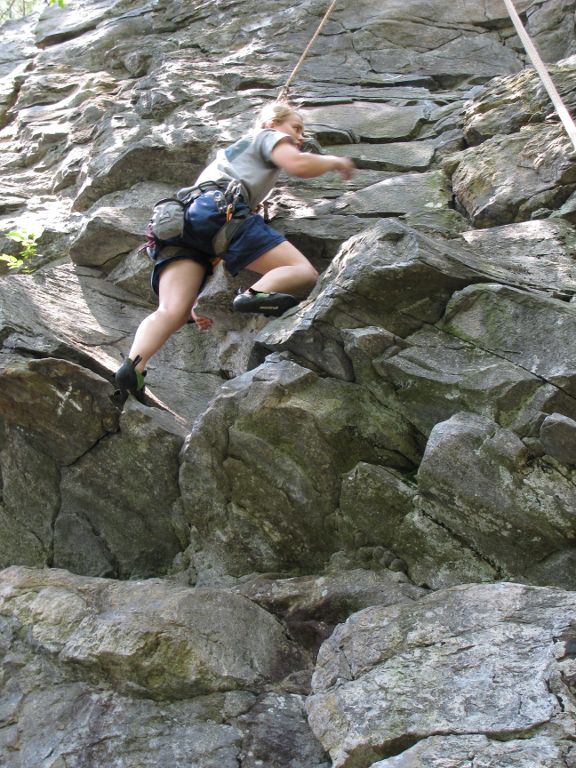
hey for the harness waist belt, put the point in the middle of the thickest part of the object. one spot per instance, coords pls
(187, 194)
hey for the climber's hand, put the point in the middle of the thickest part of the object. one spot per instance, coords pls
(202, 323)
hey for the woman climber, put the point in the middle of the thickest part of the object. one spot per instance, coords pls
(254, 161)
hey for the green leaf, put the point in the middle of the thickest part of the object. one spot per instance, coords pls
(12, 261)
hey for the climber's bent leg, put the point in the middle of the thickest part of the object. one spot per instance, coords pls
(284, 270)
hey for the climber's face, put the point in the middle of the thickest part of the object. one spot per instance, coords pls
(292, 126)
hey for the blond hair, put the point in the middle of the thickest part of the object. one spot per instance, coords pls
(276, 112)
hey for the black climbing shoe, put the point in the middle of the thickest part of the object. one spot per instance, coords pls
(270, 304)
(129, 380)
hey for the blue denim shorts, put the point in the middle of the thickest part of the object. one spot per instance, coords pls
(203, 220)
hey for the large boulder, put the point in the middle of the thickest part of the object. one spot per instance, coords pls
(479, 483)
(478, 669)
(140, 673)
(131, 476)
(260, 474)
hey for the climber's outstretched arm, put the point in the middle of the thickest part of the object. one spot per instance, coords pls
(307, 165)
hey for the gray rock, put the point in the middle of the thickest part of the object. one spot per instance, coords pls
(397, 278)
(76, 722)
(558, 436)
(530, 170)
(74, 313)
(482, 489)
(535, 254)
(437, 374)
(132, 476)
(319, 238)
(491, 317)
(107, 234)
(66, 408)
(546, 571)
(142, 673)
(70, 312)
(17, 50)
(457, 44)
(496, 109)
(436, 556)
(373, 503)
(396, 156)
(388, 275)
(169, 159)
(381, 508)
(367, 120)
(258, 495)
(457, 751)
(148, 638)
(548, 25)
(30, 501)
(424, 338)
(409, 193)
(54, 26)
(133, 275)
(311, 606)
(473, 661)
(278, 735)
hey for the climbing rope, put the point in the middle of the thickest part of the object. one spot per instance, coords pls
(540, 68)
(283, 95)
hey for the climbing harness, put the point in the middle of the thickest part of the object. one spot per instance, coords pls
(543, 73)
(227, 203)
(283, 95)
(167, 220)
(168, 217)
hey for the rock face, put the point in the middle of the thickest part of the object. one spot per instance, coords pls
(108, 671)
(340, 538)
(438, 680)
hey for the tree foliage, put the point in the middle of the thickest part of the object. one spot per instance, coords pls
(15, 9)
(27, 241)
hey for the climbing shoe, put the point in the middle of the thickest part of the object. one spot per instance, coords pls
(270, 304)
(129, 380)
